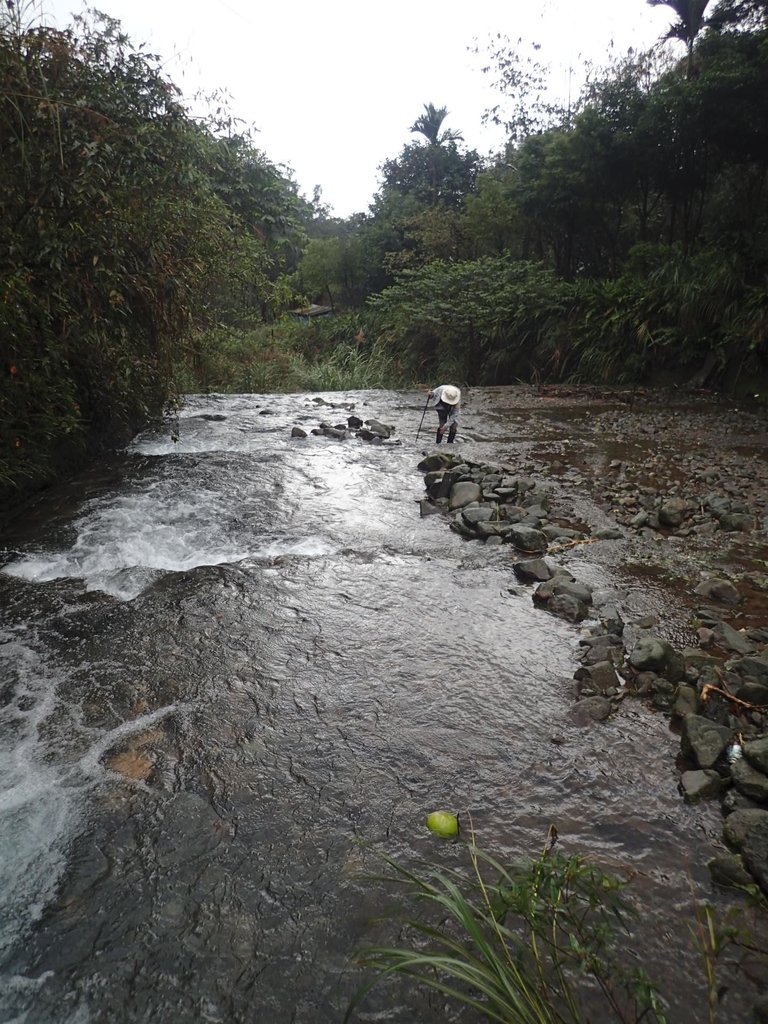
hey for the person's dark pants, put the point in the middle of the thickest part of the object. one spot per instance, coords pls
(443, 412)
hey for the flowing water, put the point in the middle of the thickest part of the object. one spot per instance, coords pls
(238, 667)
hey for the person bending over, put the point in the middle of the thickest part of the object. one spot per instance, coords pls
(447, 401)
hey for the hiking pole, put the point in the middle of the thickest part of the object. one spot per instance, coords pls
(422, 418)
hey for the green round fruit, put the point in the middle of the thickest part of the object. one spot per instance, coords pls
(443, 824)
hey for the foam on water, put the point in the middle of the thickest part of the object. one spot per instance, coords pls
(45, 779)
(37, 814)
(125, 543)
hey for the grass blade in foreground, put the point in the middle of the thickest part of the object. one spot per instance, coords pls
(531, 943)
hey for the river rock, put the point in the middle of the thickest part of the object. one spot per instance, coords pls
(459, 526)
(566, 606)
(754, 669)
(602, 640)
(611, 620)
(717, 505)
(434, 462)
(463, 493)
(755, 852)
(527, 538)
(438, 484)
(737, 825)
(382, 429)
(750, 781)
(728, 869)
(732, 640)
(720, 590)
(704, 740)
(427, 508)
(686, 701)
(672, 512)
(298, 432)
(472, 514)
(596, 653)
(701, 784)
(736, 522)
(756, 752)
(532, 569)
(493, 528)
(650, 653)
(552, 532)
(581, 591)
(600, 677)
(753, 693)
(736, 801)
(591, 709)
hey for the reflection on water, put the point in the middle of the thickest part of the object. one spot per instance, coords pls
(244, 669)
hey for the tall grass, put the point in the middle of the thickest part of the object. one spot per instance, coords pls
(290, 357)
(534, 943)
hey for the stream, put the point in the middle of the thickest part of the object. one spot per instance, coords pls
(237, 668)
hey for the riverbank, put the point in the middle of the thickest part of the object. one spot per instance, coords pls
(675, 499)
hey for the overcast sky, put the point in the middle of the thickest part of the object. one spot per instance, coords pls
(333, 85)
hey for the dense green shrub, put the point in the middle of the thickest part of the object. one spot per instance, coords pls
(124, 225)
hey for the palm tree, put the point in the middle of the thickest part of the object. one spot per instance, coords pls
(690, 15)
(429, 123)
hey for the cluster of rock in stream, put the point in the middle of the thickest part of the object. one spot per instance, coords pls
(372, 431)
(720, 702)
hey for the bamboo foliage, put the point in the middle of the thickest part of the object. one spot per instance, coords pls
(124, 225)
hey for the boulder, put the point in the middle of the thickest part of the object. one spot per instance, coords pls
(611, 620)
(472, 514)
(493, 528)
(434, 462)
(701, 784)
(672, 512)
(600, 677)
(719, 590)
(686, 701)
(736, 801)
(704, 740)
(753, 668)
(607, 533)
(581, 591)
(651, 654)
(591, 709)
(731, 639)
(527, 538)
(738, 824)
(382, 429)
(755, 852)
(750, 781)
(532, 569)
(728, 869)
(756, 753)
(566, 606)
(463, 493)
(737, 522)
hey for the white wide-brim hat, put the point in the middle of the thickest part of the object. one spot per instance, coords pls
(450, 395)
